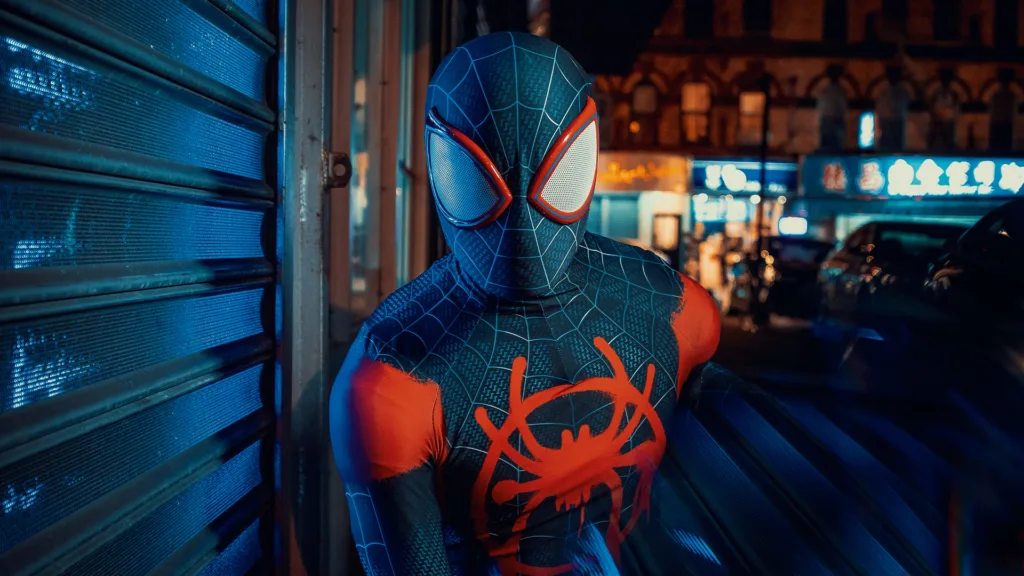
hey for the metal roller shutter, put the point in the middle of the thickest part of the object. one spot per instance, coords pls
(137, 305)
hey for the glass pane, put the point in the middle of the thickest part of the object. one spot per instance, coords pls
(358, 185)
(623, 218)
(696, 97)
(645, 99)
(751, 103)
(695, 127)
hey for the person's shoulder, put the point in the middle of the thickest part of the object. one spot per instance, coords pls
(642, 269)
(437, 288)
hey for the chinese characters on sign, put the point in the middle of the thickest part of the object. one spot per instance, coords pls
(914, 177)
(744, 176)
(834, 177)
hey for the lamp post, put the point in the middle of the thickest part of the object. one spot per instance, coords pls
(765, 85)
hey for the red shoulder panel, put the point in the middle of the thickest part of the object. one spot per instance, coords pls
(697, 326)
(396, 422)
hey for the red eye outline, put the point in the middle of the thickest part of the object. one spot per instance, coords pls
(438, 126)
(550, 163)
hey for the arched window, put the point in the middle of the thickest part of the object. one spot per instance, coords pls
(696, 106)
(749, 128)
(643, 114)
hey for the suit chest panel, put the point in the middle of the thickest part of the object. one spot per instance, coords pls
(570, 378)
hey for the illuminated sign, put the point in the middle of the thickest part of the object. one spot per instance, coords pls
(833, 177)
(793, 226)
(866, 130)
(743, 176)
(912, 176)
(640, 172)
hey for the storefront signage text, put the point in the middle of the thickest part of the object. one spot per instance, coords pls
(743, 176)
(913, 177)
(642, 172)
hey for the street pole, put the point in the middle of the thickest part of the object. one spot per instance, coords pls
(766, 87)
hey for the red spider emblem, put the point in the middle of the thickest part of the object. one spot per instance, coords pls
(570, 472)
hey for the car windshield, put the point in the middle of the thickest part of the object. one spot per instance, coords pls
(917, 241)
(798, 251)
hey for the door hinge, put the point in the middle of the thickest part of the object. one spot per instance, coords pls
(340, 170)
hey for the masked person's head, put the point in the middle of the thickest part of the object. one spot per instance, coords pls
(512, 144)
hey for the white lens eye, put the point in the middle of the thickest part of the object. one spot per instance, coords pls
(465, 194)
(566, 193)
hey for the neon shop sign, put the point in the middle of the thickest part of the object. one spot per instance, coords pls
(744, 176)
(917, 177)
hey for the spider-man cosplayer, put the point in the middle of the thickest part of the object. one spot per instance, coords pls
(504, 411)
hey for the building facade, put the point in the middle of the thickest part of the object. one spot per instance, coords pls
(942, 76)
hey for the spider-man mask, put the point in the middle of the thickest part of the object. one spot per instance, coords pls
(512, 146)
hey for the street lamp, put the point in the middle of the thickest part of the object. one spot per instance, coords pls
(765, 83)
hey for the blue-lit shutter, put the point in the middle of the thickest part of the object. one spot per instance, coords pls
(136, 296)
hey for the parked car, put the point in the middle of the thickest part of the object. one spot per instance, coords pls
(879, 270)
(983, 274)
(779, 274)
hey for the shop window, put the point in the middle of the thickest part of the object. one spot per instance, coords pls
(749, 131)
(623, 220)
(696, 111)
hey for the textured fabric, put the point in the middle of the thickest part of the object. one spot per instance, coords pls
(556, 355)
(552, 412)
(513, 95)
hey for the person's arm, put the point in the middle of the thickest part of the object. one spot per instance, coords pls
(698, 327)
(387, 436)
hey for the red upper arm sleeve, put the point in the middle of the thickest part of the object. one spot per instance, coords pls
(384, 422)
(697, 326)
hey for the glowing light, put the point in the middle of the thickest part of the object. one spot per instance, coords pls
(769, 260)
(866, 131)
(634, 127)
(792, 226)
(713, 177)
(985, 172)
(870, 177)
(700, 198)
(755, 199)
(1011, 177)
(734, 178)
(900, 174)
(764, 253)
(929, 173)
(834, 177)
(735, 211)
(957, 173)
(782, 200)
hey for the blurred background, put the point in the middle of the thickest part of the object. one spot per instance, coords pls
(201, 201)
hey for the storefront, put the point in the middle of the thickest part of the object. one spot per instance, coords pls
(640, 198)
(840, 193)
(726, 194)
